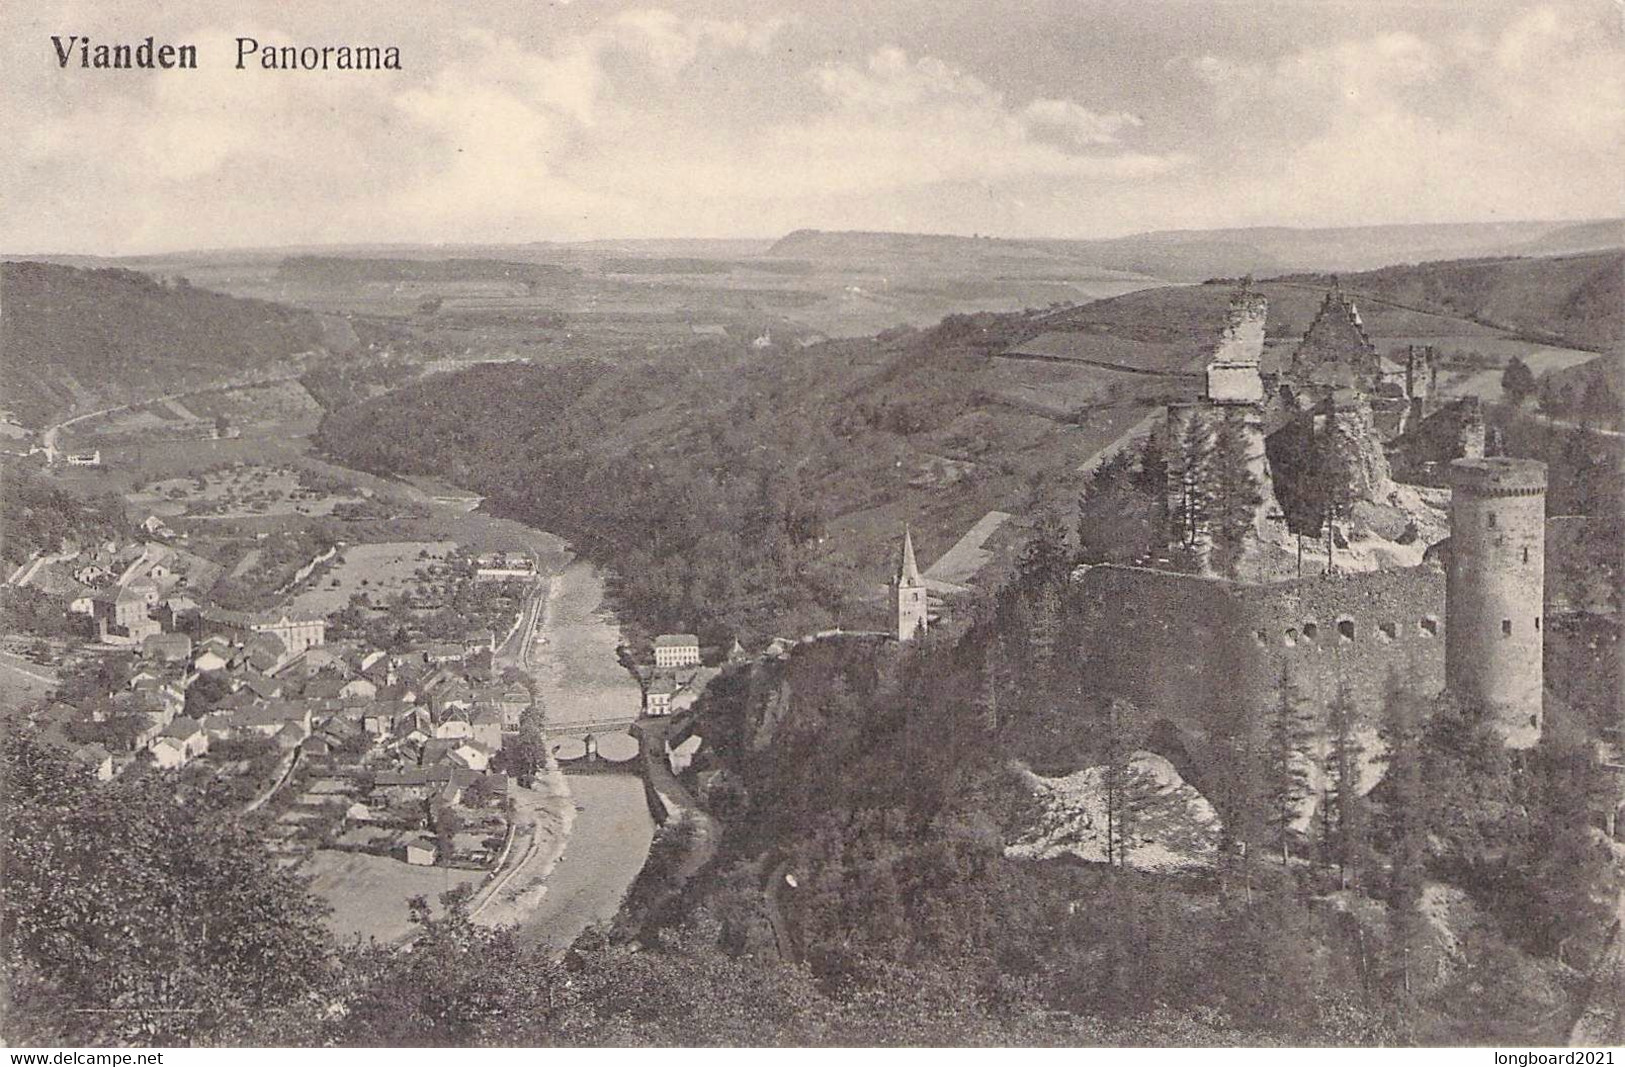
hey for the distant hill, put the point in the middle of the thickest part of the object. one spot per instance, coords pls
(1192, 255)
(75, 339)
(1576, 299)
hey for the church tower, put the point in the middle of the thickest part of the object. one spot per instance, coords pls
(911, 596)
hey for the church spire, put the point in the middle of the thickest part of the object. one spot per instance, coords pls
(909, 572)
(912, 602)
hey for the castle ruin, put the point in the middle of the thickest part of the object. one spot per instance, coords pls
(1377, 610)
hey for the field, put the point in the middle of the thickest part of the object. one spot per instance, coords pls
(23, 682)
(368, 894)
(380, 570)
(1486, 384)
(238, 492)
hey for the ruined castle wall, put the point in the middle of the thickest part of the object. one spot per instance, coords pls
(1205, 653)
(1232, 371)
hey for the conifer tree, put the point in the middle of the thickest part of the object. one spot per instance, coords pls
(1286, 780)
(1192, 504)
(1348, 812)
(1151, 481)
(991, 702)
(1404, 825)
(1043, 615)
(1236, 495)
(1119, 780)
(1046, 558)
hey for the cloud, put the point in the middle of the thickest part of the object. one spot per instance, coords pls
(711, 120)
(1528, 121)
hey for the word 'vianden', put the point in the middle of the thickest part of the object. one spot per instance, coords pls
(149, 56)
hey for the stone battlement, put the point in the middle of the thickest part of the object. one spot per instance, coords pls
(1498, 476)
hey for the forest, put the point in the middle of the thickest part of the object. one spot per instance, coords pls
(707, 490)
(39, 516)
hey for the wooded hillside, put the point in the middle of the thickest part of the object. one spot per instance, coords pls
(79, 339)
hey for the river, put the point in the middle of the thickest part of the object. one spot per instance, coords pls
(607, 846)
(604, 823)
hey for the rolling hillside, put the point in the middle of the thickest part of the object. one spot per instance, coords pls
(76, 340)
(758, 492)
(1577, 299)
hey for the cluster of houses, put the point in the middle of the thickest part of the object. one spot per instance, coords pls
(403, 734)
(678, 675)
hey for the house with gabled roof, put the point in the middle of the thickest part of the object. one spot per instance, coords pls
(265, 652)
(194, 739)
(169, 753)
(658, 693)
(471, 754)
(454, 724)
(487, 722)
(263, 688)
(167, 648)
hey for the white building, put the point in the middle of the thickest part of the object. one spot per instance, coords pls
(677, 650)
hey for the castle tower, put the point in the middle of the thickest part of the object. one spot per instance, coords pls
(1232, 372)
(1494, 590)
(912, 602)
(1421, 378)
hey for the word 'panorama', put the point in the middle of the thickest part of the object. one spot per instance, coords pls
(148, 55)
(309, 57)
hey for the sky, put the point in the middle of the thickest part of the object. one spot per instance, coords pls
(526, 120)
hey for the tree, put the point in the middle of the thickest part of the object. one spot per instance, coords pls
(1235, 495)
(1518, 382)
(1563, 884)
(1043, 615)
(995, 679)
(1189, 469)
(523, 755)
(1046, 558)
(446, 822)
(1286, 775)
(171, 919)
(1403, 823)
(460, 985)
(1348, 813)
(1119, 781)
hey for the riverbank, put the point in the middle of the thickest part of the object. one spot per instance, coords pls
(543, 818)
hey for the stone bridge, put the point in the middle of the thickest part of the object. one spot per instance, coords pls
(610, 724)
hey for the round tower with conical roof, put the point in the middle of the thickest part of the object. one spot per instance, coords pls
(1494, 591)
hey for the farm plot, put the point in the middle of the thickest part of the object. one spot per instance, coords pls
(368, 894)
(380, 570)
(240, 492)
